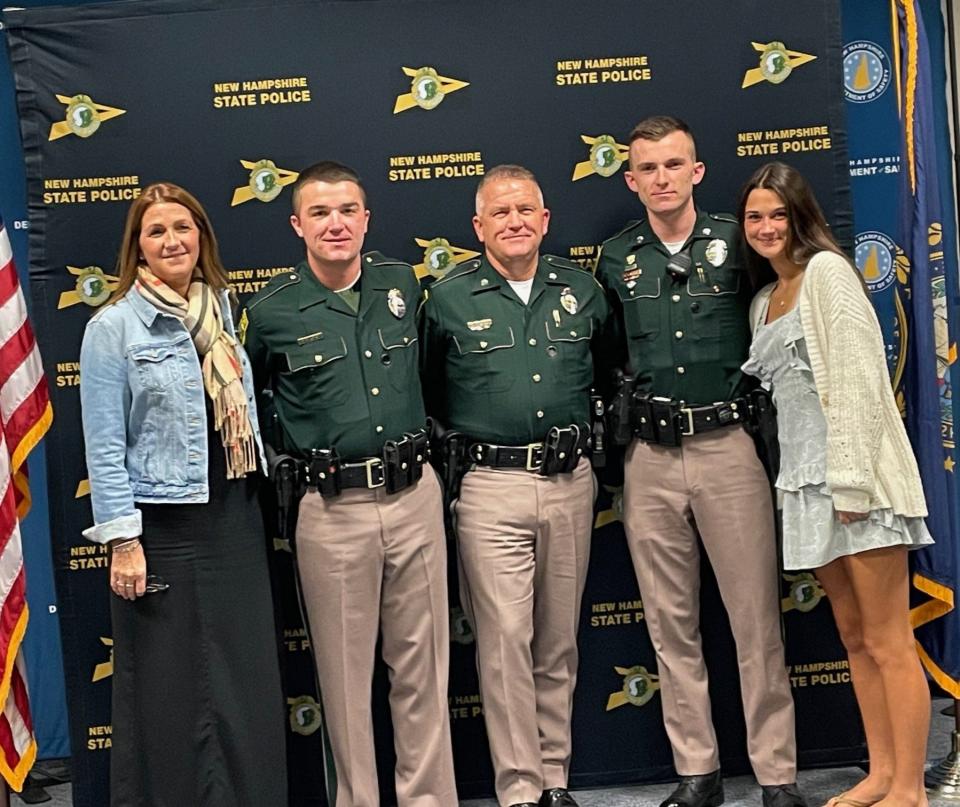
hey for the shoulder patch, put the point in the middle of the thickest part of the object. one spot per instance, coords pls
(462, 270)
(276, 283)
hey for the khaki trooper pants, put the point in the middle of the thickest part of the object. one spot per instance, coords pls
(715, 485)
(372, 562)
(524, 543)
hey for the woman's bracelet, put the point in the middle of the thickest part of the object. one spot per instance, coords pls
(125, 546)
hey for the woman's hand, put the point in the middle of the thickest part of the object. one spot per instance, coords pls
(128, 571)
(848, 516)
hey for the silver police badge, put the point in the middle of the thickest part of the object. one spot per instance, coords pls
(396, 303)
(568, 301)
(716, 251)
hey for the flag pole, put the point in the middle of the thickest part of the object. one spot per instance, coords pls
(943, 779)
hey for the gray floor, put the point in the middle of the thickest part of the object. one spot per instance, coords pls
(819, 785)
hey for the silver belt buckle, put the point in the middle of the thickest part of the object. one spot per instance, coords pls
(530, 451)
(370, 464)
(688, 414)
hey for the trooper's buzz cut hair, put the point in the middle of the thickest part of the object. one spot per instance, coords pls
(326, 171)
(506, 171)
(658, 127)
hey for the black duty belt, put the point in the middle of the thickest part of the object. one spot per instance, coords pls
(666, 422)
(399, 465)
(559, 452)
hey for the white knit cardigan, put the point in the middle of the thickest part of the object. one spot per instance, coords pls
(870, 463)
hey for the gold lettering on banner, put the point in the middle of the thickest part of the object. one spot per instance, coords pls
(765, 143)
(608, 70)
(80, 190)
(99, 738)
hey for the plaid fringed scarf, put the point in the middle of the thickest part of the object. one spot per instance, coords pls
(200, 314)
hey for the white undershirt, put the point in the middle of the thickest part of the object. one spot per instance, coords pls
(522, 289)
(673, 247)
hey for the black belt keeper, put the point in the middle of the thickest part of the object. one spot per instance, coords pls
(403, 461)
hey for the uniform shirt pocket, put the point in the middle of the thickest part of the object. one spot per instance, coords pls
(641, 309)
(485, 358)
(398, 355)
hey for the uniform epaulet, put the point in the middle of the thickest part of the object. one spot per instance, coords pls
(727, 217)
(631, 225)
(461, 270)
(378, 259)
(563, 263)
(278, 282)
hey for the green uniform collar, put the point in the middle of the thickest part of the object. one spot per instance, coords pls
(487, 280)
(313, 292)
(704, 227)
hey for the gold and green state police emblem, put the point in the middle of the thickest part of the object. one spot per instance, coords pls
(426, 89)
(775, 63)
(92, 287)
(305, 715)
(82, 117)
(805, 592)
(265, 181)
(438, 257)
(639, 686)
(604, 156)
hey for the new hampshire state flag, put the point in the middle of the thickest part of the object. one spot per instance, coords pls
(932, 318)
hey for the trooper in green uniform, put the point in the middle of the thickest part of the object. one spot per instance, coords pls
(680, 293)
(507, 351)
(336, 342)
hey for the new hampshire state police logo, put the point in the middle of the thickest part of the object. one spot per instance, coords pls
(460, 630)
(805, 593)
(776, 63)
(874, 253)
(639, 686)
(606, 157)
(83, 116)
(264, 183)
(427, 89)
(305, 715)
(866, 71)
(92, 286)
(439, 257)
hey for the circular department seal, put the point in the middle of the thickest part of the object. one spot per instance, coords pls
(82, 117)
(775, 64)
(639, 686)
(866, 71)
(805, 592)
(426, 88)
(305, 715)
(92, 287)
(265, 181)
(874, 253)
(438, 257)
(460, 630)
(604, 156)
(716, 251)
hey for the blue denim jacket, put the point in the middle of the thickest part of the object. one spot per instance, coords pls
(144, 415)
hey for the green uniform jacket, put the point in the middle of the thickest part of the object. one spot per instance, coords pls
(683, 339)
(504, 372)
(340, 379)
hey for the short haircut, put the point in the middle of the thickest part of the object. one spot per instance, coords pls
(326, 171)
(506, 171)
(658, 127)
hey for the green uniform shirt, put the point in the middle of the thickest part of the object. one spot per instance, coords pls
(504, 372)
(684, 339)
(341, 379)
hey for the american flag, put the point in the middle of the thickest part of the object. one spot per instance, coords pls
(25, 416)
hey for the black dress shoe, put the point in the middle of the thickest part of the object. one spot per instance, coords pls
(783, 796)
(557, 797)
(705, 790)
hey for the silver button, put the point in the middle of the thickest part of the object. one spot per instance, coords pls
(573, 333)
(552, 275)
(484, 282)
(375, 391)
(369, 260)
(367, 353)
(679, 334)
(663, 423)
(681, 370)
(536, 377)
(706, 231)
(318, 358)
(406, 339)
(676, 298)
(632, 292)
(639, 238)
(531, 341)
(539, 413)
(379, 429)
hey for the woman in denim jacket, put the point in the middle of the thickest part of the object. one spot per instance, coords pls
(173, 449)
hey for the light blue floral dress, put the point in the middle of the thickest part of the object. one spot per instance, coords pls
(812, 534)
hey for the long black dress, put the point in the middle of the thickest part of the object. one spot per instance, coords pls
(198, 712)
